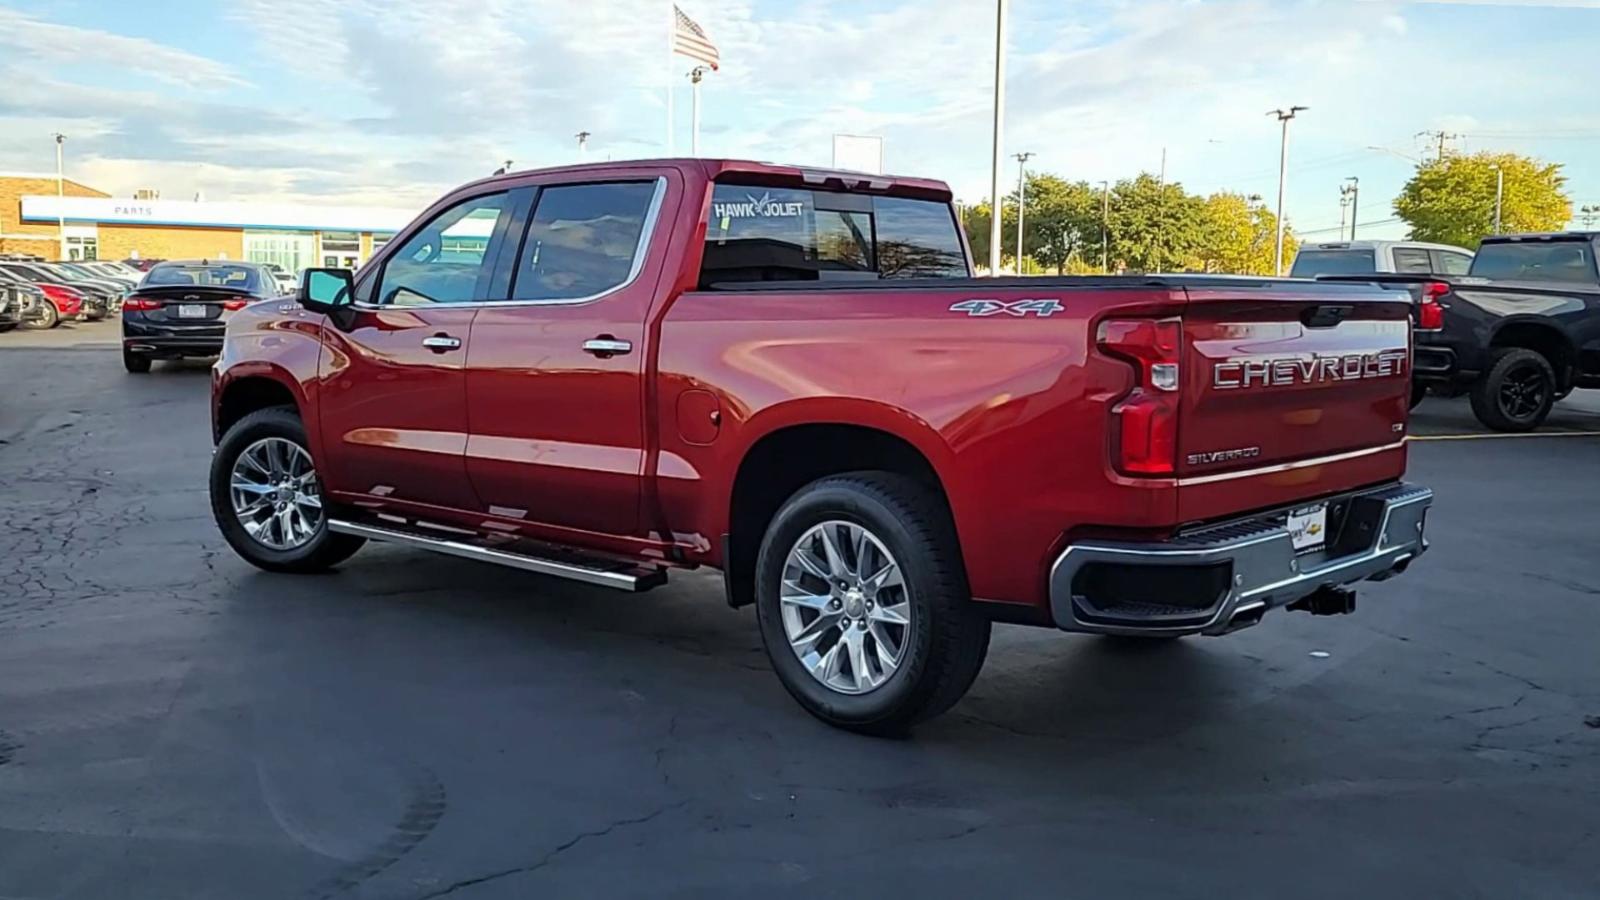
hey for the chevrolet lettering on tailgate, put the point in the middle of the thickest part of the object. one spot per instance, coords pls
(1312, 369)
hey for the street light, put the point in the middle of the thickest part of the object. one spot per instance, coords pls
(1284, 117)
(61, 192)
(1105, 228)
(1022, 187)
(1352, 189)
(1499, 194)
(999, 123)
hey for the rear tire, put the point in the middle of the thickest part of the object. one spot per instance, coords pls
(323, 549)
(9, 326)
(1516, 392)
(945, 638)
(137, 363)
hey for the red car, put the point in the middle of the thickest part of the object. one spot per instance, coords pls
(606, 372)
(60, 302)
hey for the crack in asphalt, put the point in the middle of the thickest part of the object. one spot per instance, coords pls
(550, 857)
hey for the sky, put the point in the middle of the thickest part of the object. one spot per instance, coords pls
(393, 102)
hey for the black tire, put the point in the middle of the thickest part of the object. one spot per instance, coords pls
(948, 637)
(323, 551)
(49, 316)
(1418, 392)
(1516, 392)
(9, 326)
(136, 363)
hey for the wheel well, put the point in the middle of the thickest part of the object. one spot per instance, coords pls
(787, 460)
(1543, 339)
(245, 396)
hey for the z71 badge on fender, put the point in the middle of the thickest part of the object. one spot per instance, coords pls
(1042, 308)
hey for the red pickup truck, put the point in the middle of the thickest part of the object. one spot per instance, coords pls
(604, 372)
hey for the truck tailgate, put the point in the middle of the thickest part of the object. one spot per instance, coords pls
(1290, 394)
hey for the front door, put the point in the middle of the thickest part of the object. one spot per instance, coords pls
(555, 380)
(393, 391)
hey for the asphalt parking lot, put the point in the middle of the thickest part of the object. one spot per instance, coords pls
(174, 723)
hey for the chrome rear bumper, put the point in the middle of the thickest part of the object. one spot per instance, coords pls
(1222, 577)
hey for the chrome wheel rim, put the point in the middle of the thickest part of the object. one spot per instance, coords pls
(275, 495)
(846, 610)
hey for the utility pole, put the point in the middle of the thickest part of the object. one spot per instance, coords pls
(695, 76)
(583, 143)
(1588, 213)
(61, 193)
(999, 121)
(1105, 227)
(1284, 117)
(1022, 189)
(1161, 219)
(1442, 136)
(1499, 194)
(1344, 210)
(1352, 189)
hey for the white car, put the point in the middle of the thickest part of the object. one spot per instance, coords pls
(1380, 257)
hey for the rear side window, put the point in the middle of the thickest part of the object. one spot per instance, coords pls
(583, 240)
(1454, 263)
(788, 234)
(1311, 263)
(1412, 261)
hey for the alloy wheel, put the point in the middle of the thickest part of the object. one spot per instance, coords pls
(845, 607)
(1523, 392)
(275, 494)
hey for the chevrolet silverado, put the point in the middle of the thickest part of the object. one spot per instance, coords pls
(609, 371)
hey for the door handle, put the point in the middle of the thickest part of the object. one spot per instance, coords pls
(439, 343)
(606, 345)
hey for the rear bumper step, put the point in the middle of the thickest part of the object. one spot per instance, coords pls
(604, 572)
(1227, 576)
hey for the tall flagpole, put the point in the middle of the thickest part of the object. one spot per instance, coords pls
(995, 210)
(672, 29)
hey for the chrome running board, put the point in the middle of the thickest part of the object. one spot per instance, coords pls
(606, 573)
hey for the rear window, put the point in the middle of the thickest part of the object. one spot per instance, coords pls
(242, 278)
(789, 234)
(1311, 263)
(1565, 261)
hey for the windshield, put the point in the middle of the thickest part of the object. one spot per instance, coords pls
(1566, 261)
(243, 278)
(1311, 263)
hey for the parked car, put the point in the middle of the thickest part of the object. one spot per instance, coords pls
(140, 265)
(286, 281)
(1518, 332)
(181, 308)
(11, 307)
(44, 305)
(92, 271)
(604, 372)
(94, 299)
(1377, 257)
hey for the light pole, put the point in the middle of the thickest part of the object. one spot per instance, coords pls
(1022, 188)
(1284, 117)
(999, 123)
(583, 143)
(1352, 189)
(1105, 228)
(1344, 210)
(695, 76)
(61, 193)
(1499, 194)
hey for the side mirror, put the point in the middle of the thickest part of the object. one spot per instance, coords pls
(327, 290)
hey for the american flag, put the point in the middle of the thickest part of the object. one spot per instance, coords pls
(689, 39)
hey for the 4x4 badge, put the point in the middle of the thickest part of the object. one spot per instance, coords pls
(1043, 308)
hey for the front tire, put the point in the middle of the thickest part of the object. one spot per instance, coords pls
(864, 606)
(49, 316)
(267, 499)
(1517, 391)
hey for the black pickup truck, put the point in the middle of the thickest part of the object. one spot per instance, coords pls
(1518, 332)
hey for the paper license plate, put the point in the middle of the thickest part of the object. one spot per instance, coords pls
(192, 311)
(1308, 527)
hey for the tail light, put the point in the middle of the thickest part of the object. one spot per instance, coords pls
(233, 304)
(1145, 423)
(1430, 315)
(141, 304)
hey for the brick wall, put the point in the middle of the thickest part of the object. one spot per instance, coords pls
(47, 244)
(170, 242)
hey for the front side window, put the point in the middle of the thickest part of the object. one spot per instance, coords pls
(790, 234)
(582, 240)
(443, 262)
(1454, 263)
(1412, 261)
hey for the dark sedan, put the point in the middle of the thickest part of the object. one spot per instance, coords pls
(181, 308)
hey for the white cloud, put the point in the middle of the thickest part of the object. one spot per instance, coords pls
(26, 38)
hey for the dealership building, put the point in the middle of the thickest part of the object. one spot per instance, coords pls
(85, 223)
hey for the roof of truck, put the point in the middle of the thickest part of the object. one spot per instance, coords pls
(1543, 236)
(1374, 245)
(820, 176)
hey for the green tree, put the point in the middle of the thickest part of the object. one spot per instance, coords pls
(1154, 226)
(1451, 200)
(1237, 236)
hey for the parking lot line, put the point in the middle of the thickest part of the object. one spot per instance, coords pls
(1482, 437)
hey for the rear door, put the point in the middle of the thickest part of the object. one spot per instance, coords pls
(393, 409)
(555, 378)
(1288, 394)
